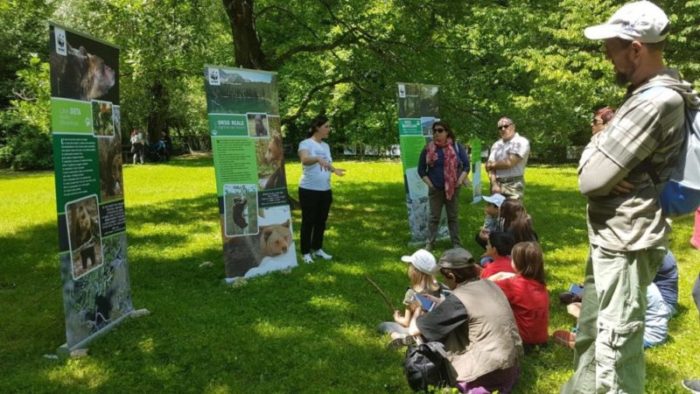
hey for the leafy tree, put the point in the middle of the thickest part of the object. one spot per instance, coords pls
(26, 143)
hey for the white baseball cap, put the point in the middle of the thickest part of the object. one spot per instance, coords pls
(642, 21)
(496, 199)
(423, 260)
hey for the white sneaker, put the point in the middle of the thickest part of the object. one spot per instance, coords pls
(320, 253)
(307, 258)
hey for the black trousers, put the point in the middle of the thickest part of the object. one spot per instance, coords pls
(315, 206)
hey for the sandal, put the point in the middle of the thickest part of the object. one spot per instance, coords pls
(564, 338)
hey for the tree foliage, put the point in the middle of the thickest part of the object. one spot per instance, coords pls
(520, 58)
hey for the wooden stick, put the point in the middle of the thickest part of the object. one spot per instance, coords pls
(379, 290)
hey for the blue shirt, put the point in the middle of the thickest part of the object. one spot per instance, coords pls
(436, 173)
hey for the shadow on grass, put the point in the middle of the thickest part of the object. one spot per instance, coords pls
(311, 330)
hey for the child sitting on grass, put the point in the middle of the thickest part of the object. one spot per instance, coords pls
(497, 256)
(421, 273)
(527, 293)
(492, 220)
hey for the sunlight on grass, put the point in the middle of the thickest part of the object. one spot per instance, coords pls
(217, 388)
(349, 269)
(288, 332)
(267, 329)
(320, 278)
(147, 345)
(87, 373)
(333, 302)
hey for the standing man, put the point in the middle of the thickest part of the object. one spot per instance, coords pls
(628, 233)
(507, 161)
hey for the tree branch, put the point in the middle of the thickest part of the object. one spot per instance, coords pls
(309, 95)
(281, 59)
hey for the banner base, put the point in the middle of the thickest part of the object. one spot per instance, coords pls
(80, 349)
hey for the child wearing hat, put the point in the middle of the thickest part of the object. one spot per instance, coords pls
(421, 273)
(492, 220)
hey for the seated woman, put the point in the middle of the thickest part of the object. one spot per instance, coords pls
(517, 222)
(476, 325)
(527, 293)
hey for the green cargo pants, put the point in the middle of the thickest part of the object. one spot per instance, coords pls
(609, 354)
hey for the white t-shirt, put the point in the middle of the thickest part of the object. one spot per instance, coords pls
(518, 146)
(312, 176)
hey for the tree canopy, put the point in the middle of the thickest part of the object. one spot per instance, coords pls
(524, 59)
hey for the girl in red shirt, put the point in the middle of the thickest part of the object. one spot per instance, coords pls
(527, 293)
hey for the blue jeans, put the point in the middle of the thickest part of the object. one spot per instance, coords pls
(609, 355)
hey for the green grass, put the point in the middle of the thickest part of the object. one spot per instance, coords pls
(311, 330)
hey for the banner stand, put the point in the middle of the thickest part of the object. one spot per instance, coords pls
(64, 351)
(417, 109)
(251, 182)
(87, 153)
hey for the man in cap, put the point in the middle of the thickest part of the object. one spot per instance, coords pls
(476, 325)
(507, 161)
(628, 233)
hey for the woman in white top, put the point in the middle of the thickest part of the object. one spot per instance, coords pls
(315, 194)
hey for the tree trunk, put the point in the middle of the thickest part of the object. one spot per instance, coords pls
(246, 43)
(157, 116)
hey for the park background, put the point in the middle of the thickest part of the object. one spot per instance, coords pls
(525, 59)
(311, 330)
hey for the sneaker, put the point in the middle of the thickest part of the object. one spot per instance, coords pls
(320, 253)
(692, 385)
(307, 258)
(564, 338)
(403, 341)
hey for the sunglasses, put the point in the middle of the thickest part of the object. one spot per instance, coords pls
(438, 130)
(596, 122)
(505, 126)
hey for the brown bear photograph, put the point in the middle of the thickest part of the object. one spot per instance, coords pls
(82, 69)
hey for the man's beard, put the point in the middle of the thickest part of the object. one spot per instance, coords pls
(621, 78)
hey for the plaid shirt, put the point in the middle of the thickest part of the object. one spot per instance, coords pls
(649, 124)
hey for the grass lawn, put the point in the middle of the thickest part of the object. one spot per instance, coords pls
(311, 330)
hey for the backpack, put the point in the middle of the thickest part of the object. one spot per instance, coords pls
(681, 194)
(426, 365)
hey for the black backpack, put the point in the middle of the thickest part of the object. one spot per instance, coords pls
(426, 365)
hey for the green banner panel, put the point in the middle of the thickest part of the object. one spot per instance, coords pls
(410, 127)
(411, 146)
(71, 116)
(77, 168)
(87, 152)
(235, 161)
(228, 125)
(251, 185)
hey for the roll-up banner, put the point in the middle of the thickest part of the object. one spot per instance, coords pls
(251, 185)
(418, 110)
(475, 159)
(87, 151)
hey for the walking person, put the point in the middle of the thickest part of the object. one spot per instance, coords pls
(507, 161)
(137, 145)
(444, 166)
(315, 195)
(628, 232)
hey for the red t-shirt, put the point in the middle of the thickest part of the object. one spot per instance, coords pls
(500, 264)
(530, 303)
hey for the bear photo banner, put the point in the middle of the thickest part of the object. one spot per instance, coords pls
(251, 185)
(87, 151)
(418, 110)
